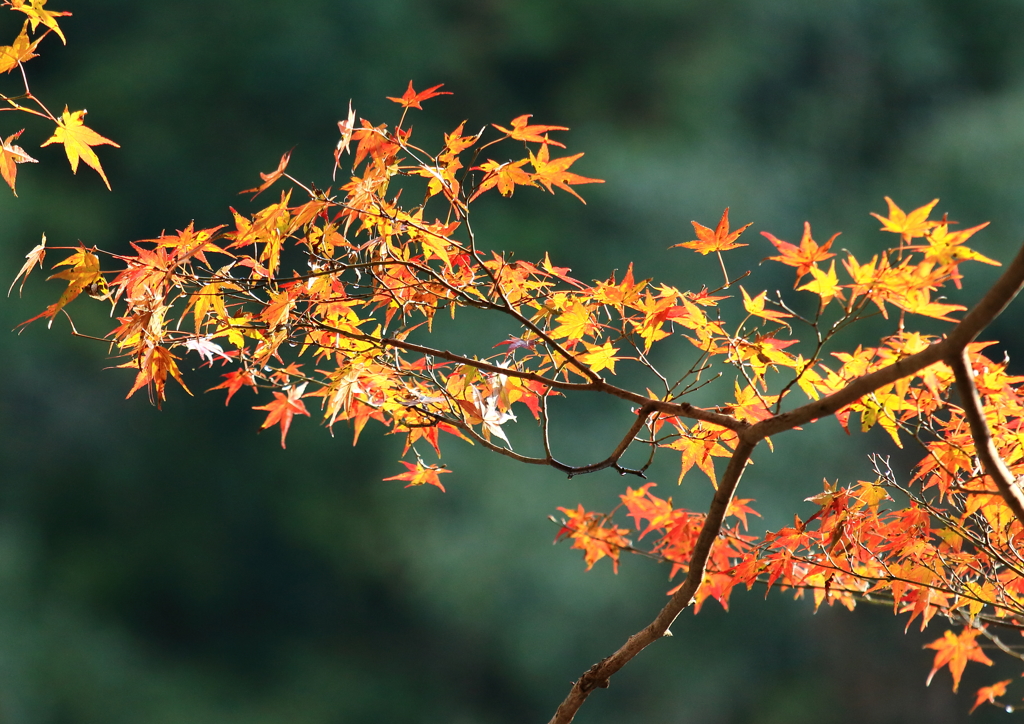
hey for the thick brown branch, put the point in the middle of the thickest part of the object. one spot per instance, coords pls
(984, 448)
(597, 676)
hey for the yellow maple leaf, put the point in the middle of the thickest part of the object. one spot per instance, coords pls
(910, 225)
(36, 15)
(576, 323)
(825, 284)
(755, 307)
(78, 140)
(19, 52)
(600, 358)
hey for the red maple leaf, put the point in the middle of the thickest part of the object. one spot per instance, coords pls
(283, 409)
(420, 474)
(411, 99)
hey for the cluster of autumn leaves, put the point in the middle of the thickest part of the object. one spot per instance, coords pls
(332, 298)
(70, 129)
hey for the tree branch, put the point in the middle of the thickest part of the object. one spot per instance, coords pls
(984, 448)
(597, 675)
(612, 461)
(676, 409)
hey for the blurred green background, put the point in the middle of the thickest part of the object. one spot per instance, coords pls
(175, 566)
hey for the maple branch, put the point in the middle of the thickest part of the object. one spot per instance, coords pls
(612, 461)
(984, 448)
(596, 677)
(991, 305)
(677, 409)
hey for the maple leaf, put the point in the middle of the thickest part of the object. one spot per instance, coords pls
(503, 175)
(562, 272)
(551, 172)
(233, 383)
(154, 366)
(283, 409)
(34, 257)
(590, 535)
(618, 294)
(720, 239)
(909, 225)
(411, 99)
(802, 257)
(738, 508)
(83, 274)
(955, 651)
(576, 322)
(755, 307)
(522, 131)
(347, 128)
(825, 284)
(750, 406)
(697, 447)
(36, 15)
(420, 474)
(715, 585)
(270, 178)
(990, 694)
(600, 358)
(78, 140)
(206, 348)
(11, 56)
(10, 156)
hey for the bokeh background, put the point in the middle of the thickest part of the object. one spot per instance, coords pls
(174, 566)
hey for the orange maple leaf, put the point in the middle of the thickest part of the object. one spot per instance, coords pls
(420, 474)
(697, 447)
(802, 257)
(411, 99)
(551, 172)
(591, 535)
(10, 156)
(503, 175)
(78, 140)
(522, 131)
(750, 406)
(154, 366)
(283, 409)
(738, 508)
(990, 693)
(955, 651)
(270, 178)
(720, 239)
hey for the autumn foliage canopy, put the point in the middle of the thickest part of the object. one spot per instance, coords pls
(324, 302)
